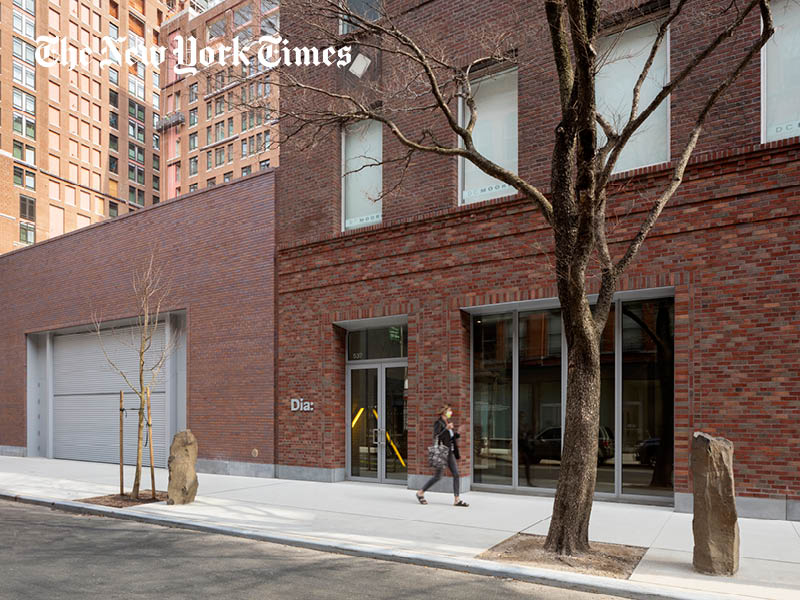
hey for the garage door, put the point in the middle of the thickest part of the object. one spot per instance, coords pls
(86, 397)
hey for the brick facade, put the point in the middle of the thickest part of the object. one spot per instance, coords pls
(727, 244)
(218, 256)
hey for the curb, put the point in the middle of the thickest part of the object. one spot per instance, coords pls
(560, 579)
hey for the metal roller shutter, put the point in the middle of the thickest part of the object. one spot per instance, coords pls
(86, 397)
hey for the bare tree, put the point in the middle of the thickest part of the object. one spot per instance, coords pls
(150, 293)
(423, 79)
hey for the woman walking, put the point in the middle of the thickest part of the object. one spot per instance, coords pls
(444, 433)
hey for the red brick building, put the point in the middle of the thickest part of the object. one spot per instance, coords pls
(219, 379)
(443, 292)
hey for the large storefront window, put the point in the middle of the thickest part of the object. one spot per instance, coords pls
(518, 428)
(647, 397)
(493, 347)
(605, 435)
(539, 439)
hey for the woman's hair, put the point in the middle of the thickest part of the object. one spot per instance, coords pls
(445, 408)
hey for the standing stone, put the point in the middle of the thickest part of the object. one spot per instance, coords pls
(715, 525)
(182, 475)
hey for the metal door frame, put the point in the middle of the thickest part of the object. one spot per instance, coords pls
(381, 366)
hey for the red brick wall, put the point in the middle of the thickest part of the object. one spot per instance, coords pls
(217, 248)
(727, 244)
(312, 211)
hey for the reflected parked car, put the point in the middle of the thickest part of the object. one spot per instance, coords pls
(547, 445)
(647, 451)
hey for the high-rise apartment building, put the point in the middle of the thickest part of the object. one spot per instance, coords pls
(219, 123)
(80, 143)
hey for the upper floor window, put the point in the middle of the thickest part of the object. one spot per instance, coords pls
(216, 28)
(136, 86)
(24, 152)
(23, 75)
(269, 26)
(193, 93)
(242, 15)
(24, 101)
(369, 10)
(27, 233)
(136, 110)
(27, 208)
(24, 51)
(494, 136)
(362, 174)
(24, 25)
(24, 178)
(781, 57)
(24, 125)
(29, 5)
(622, 57)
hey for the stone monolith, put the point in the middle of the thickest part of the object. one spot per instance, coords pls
(715, 525)
(182, 475)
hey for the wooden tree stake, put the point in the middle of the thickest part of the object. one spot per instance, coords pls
(150, 433)
(121, 472)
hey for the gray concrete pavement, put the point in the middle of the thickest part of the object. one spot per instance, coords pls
(49, 554)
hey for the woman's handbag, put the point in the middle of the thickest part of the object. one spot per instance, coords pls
(437, 455)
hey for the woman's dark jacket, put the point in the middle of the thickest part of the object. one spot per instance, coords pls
(441, 433)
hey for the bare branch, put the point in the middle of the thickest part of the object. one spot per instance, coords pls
(678, 172)
(632, 126)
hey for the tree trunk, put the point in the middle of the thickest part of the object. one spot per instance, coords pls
(138, 474)
(572, 507)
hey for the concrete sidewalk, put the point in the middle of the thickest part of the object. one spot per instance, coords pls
(386, 522)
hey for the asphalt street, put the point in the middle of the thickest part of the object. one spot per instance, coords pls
(46, 554)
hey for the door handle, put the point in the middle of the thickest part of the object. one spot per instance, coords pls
(375, 437)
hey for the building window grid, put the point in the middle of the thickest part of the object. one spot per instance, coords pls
(24, 25)
(27, 5)
(24, 101)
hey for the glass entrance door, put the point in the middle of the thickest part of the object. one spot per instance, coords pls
(395, 422)
(363, 391)
(378, 422)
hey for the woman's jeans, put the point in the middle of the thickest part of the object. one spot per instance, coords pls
(451, 464)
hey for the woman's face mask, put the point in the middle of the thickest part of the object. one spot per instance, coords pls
(448, 414)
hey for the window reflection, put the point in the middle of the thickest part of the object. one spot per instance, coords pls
(646, 363)
(539, 436)
(647, 396)
(383, 342)
(605, 433)
(493, 340)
